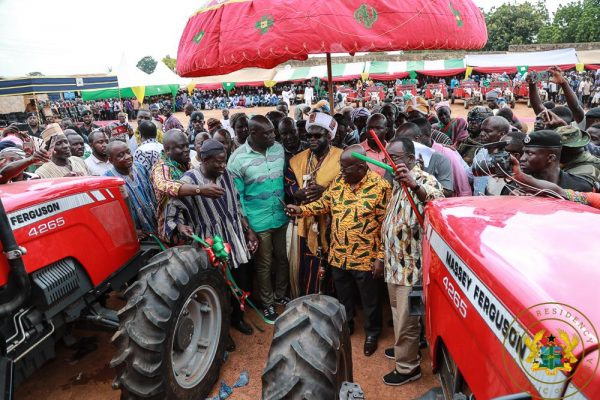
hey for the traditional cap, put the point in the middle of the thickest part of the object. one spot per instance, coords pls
(211, 147)
(417, 104)
(154, 106)
(571, 136)
(545, 138)
(51, 130)
(31, 114)
(593, 113)
(359, 112)
(122, 114)
(442, 104)
(479, 113)
(17, 141)
(212, 123)
(324, 121)
(440, 137)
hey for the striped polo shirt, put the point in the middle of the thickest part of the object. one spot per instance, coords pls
(259, 179)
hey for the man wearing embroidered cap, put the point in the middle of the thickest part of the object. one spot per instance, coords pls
(310, 173)
(574, 158)
(541, 159)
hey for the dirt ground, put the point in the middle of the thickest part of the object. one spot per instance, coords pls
(90, 377)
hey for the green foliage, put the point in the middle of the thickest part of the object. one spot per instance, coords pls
(514, 24)
(147, 64)
(528, 22)
(170, 62)
(573, 23)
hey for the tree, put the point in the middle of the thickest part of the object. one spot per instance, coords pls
(514, 24)
(147, 64)
(170, 62)
(36, 73)
(573, 23)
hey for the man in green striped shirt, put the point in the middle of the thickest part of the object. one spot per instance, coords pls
(257, 169)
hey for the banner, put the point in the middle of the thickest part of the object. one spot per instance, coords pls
(468, 72)
(228, 86)
(139, 92)
(522, 69)
(579, 67)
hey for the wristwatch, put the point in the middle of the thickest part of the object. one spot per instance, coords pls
(417, 187)
(198, 190)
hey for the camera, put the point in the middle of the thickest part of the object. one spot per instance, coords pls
(539, 76)
(499, 163)
(492, 163)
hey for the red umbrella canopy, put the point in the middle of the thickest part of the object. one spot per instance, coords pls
(228, 35)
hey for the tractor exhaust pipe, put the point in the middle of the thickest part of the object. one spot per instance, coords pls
(18, 288)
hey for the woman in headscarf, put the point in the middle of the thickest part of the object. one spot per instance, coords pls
(454, 128)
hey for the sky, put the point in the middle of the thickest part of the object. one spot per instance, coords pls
(65, 37)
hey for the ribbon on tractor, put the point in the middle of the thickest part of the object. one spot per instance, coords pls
(218, 254)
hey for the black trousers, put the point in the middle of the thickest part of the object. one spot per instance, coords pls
(243, 277)
(370, 296)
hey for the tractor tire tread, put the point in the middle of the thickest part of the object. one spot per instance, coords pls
(311, 343)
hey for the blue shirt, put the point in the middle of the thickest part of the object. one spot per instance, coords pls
(259, 180)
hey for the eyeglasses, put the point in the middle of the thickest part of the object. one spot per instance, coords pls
(314, 135)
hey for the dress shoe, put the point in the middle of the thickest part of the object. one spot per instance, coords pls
(370, 345)
(242, 326)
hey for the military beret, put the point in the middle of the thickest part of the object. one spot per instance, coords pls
(86, 112)
(545, 139)
(31, 114)
(571, 136)
(593, 113)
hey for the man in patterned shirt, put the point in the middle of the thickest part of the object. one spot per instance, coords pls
(356, 200)
(402, 235)
(148, 153)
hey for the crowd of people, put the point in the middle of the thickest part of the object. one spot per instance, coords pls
(303, 214)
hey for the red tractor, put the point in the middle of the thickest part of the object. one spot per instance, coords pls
(436, 91)
(68, 243)
(469, 92)
(404, 89)
(510, 297)
(505, 90)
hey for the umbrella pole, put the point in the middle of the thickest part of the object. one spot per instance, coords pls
(330, 84)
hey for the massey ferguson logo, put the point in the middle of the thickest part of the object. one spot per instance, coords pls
(33, 215)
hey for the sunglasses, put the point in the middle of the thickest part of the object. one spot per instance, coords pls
(314, 135)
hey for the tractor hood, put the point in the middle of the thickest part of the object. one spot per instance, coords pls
(527, 250)
(20, 195)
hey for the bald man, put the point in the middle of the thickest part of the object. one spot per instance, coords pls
(492, 130)
(257, 168)
(166, 175)
(356, 201)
